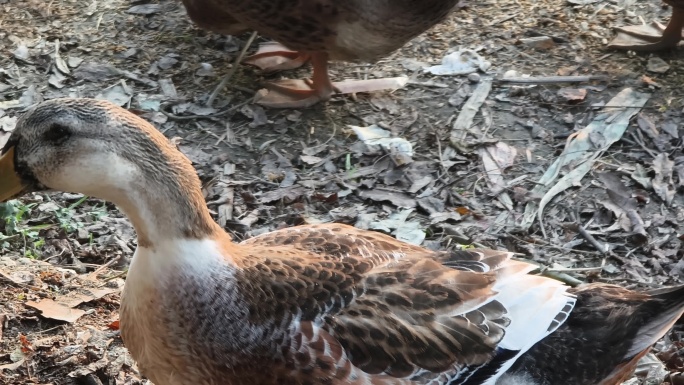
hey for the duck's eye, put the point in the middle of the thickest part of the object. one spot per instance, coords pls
(57, 133)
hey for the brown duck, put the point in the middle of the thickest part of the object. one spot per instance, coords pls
(654, 37)
(319, 31)
(318, 304)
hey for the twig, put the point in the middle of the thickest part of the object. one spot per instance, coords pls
(558, 276)
(551, 79)
(170, 115)
(232, 72)
(641, 144)
(97, 271)
(115, 276)
(551, 245)
(603, 249)
(575, 269)
(550, 273)
(503, 19)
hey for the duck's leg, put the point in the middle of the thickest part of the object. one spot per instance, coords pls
(653, 37)
(302, 93)
(273, 57)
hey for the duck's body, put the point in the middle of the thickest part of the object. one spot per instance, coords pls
(294, 302)
(320, 304)
(350, 30)
(321, 30)
(654, 37)
(272, 331)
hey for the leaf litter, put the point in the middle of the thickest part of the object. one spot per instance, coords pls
(456, 159)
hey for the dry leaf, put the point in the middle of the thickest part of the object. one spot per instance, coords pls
(114, 325)
(662, 183)
(62, 309)
(25, 344)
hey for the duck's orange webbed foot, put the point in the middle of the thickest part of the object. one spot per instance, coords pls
(649, 38)
(273, 57)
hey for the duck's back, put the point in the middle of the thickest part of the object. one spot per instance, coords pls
(351, 30)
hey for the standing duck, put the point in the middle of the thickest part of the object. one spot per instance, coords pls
(319, 31)
(317, 304)
(653, 37)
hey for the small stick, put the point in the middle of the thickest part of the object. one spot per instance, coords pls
(590, 238)
(97, 271)
(173, 116)
(233, 70)
(603, 249)
(551, 79)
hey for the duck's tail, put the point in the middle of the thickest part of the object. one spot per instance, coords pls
(615, 325)
(657, 316)
(660, 314)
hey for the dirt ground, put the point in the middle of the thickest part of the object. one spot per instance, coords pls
(63, 257)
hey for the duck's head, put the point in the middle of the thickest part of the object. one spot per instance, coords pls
(96, 148)
(72, 145)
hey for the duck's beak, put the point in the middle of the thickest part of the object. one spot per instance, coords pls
(10, 183)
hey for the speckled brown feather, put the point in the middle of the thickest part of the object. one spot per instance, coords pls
(369, 287)
(332, 304)
(347, 30)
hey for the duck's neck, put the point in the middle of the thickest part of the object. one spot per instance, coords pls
(167, 206)
(163, 217)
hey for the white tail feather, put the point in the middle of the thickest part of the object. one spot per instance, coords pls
(533, 304)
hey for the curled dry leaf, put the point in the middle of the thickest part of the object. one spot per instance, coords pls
(26, 347)
(662, 183)
(624, 206)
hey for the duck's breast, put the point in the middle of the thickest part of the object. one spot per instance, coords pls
(173, 305)
(371, 29)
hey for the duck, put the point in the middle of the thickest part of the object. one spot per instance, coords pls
(320, 303)
(319, 31)
(654, 37)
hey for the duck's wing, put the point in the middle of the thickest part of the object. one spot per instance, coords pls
(338, 241)
(364, 305)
